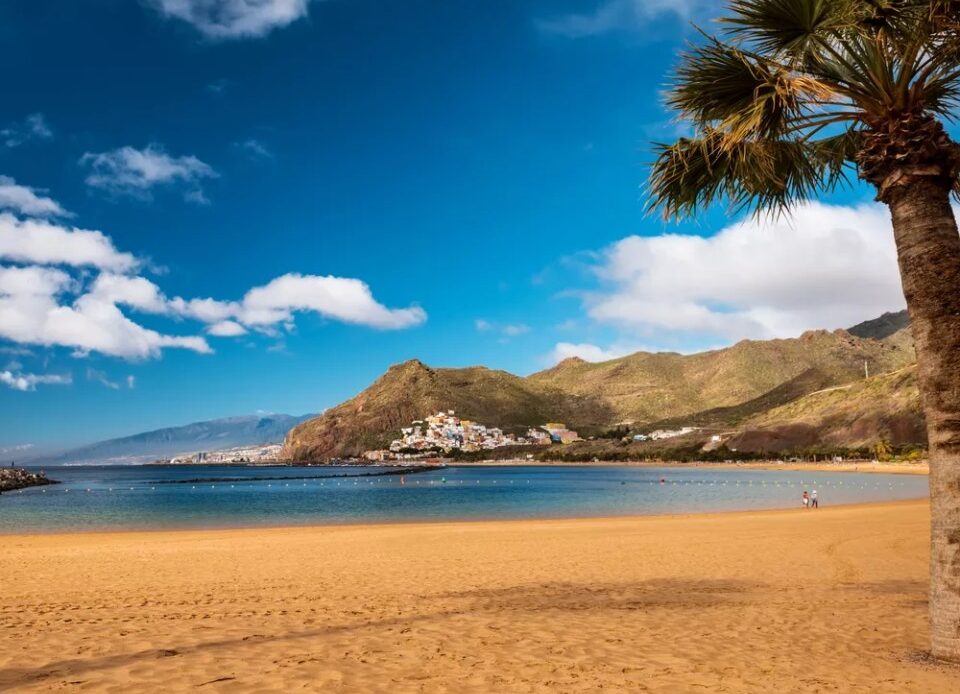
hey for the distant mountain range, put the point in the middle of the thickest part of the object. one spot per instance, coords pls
(229, 432)
(785, 393)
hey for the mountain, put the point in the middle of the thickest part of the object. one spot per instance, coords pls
(882, 327)
(646, 388)
(198, 436)
(859, 414)
(725, 387)
(412, 390)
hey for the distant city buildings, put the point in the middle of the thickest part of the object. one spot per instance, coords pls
(268, 453)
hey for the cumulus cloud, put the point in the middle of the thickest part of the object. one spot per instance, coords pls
(227, 328)
(28, 381)
(614, 15)
(137, 172)
(32, 312)
(232, 19)
(33, 127)
(341, 298)
(25, 201)
(275, 303)
(42, 303)
(42, 242)
(586, 351)
(825, 266)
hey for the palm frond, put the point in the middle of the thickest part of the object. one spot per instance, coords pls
(790, 101)
(770, 174)
(791, 29)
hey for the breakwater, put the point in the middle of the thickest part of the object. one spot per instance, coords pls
(13, 478)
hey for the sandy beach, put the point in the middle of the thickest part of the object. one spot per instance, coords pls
(791, 601)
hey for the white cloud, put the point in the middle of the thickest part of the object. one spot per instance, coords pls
(230, 19)
(31, 312)
(342, 298)
(27, 381)
(824, 266)
(226, 328)
(614, 15)
(586, 351)
(33, 127)
(48, 306)
(136, 172)
(483, 325)
(42, 242)
(206, 310)
(135, 292)
(25, 201)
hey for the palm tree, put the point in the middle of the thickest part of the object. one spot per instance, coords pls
(795, 97)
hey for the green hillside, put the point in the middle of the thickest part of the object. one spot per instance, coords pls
(752, 386)
(645, 388)
(859, 414)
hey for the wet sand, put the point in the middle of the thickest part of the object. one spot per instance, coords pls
(787, 601)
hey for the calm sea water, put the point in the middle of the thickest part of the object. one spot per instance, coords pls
(100, 497)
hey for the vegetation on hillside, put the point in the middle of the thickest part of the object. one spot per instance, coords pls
(719, 389)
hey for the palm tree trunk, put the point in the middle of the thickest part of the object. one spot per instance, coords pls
(928, 247)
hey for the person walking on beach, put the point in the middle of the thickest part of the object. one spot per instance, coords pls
(813, 499)
(806, 499)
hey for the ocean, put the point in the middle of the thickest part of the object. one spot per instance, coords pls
(163, 497)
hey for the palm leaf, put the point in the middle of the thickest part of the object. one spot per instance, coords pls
(767, 173)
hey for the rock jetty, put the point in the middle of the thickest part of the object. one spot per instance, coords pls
(12, 478)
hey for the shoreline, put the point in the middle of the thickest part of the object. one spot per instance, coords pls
(740, 601)
(427, 523)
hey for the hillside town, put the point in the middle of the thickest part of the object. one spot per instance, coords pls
(445, 432)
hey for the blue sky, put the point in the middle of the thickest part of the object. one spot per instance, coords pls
(355, 183)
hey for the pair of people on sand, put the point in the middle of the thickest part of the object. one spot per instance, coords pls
(810, 500)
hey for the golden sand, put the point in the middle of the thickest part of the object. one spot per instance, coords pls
(788, 601)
